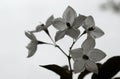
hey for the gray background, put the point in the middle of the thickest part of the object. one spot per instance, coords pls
(17, 16)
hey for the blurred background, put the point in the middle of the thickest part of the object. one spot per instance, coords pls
(17, 16)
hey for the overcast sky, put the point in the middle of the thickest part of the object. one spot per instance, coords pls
(17, 16)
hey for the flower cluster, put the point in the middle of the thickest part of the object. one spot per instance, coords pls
(86, 56)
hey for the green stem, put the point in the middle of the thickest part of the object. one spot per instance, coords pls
(68, 56)
(76, 40)
(61, 50)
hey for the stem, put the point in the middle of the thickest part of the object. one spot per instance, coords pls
(62, 50)
(55, 43)
(68, 56)
(76, 40)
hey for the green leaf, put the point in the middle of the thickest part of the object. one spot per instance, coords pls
(58, 70)
(59, 35)
(83, 74)
(109, 69)
(117, 78)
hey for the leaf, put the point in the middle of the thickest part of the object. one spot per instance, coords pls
(110, 68)
(73, 33)
(88, 44)
(58, 70)
(96, 55)
(49, 21)
(59, 35)
(83, 74)
(69, 15)
(117, 78)
(60, 24)
(79, 21)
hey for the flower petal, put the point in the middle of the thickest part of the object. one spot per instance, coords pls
(32, 47)
(91, 66)
(89, 22)
(59, 35)
(49, 21)
(96, 55)
(79, 65)
(97, 32)
(69, 15)
(60, 24)
(40, 28)
(30, 35)
(76, 53)
(73, 33)
(79, 21)
(88, 44)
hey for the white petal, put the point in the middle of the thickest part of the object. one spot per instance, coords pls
(78, 21)
(73, 33)
(91, 66)
(76, 53)
(59, 35)
(97, 32)
(89, 22)
(32, 47)
(49, 21)
(69, 15)
(30, 35)
(88, 44)
(96, 55)
(60, 24)
(79, 65)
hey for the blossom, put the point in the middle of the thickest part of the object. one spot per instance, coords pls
(44, 27)
(68, 24)
(91, 29)
(86, 56)
(32, 46)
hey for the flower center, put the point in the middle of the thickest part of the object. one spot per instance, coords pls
(68, 24)
(42, 24)
(85, 57)
(91, 28)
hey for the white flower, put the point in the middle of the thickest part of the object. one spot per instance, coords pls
(68, 24)
(86, 60)
(91, 29)
(32, 46)
(85, 57)
(44, 27)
